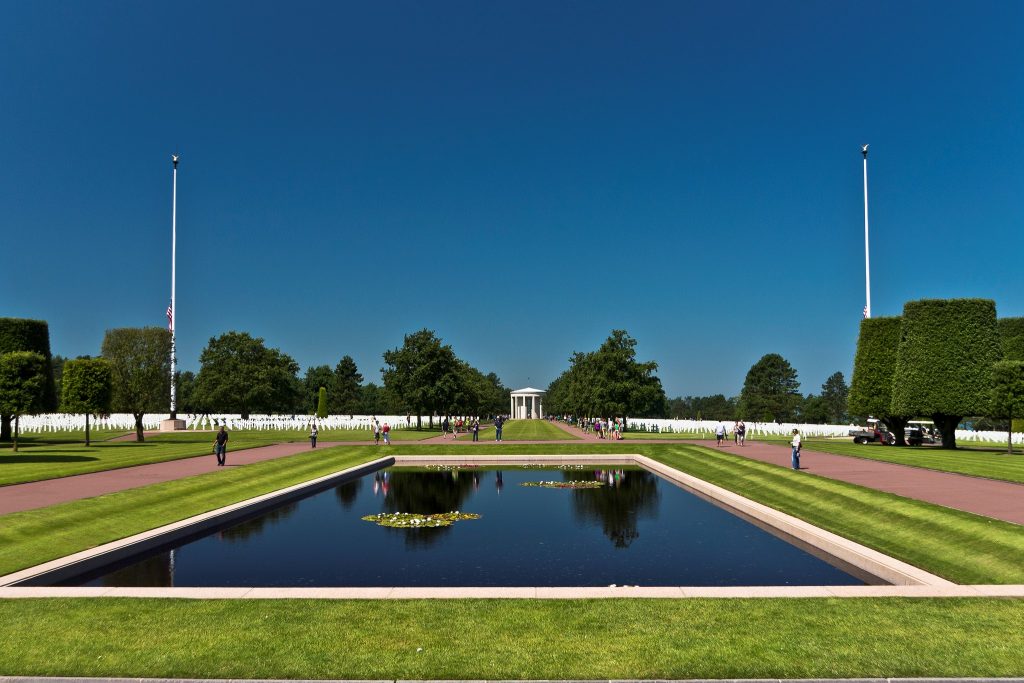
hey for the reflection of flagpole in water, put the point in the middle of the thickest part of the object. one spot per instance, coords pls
(172, 567)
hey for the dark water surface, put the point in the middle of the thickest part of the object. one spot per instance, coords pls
(638, 529)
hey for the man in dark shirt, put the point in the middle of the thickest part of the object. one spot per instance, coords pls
(498, 424)
(220, 446)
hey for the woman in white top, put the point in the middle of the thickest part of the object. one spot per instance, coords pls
(796, 443)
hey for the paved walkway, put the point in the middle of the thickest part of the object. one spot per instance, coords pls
(37, 494)
(998, 499)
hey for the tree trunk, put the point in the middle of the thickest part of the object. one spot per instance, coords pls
(139, 436)
(419, 421)
(87, 429)
(898, 427)
(16, 420)
(5, 428)
(947, 425)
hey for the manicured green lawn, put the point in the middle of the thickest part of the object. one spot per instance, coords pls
(960, 546)
(514, 639)
(59, 455)
(533, 430)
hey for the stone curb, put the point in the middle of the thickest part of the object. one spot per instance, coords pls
(44, 679)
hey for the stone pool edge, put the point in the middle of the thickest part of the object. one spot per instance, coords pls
(908, 581)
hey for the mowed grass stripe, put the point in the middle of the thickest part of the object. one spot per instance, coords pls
(957, 545)
(518, 639)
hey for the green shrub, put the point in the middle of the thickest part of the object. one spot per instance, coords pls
(946, 353)
(1011, 338)
(321, 404)
(874, 367)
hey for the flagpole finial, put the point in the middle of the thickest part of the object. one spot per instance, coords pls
(174, 160)
(863, 150)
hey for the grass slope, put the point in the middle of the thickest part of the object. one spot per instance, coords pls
(534, 430)
(517, 639)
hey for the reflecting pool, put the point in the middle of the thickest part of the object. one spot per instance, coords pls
(634, 529)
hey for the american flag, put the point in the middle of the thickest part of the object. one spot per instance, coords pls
(170, 319)
(864, 315)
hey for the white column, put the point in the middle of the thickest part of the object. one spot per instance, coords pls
(512, 407)
(533, 407)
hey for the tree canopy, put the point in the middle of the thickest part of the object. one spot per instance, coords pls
(23, 334)
(1008, 392)
(944, 369)
(834, 394)
(87, 387)
(422, 375)
(239, 374)
(609, 382)
(22, 384)
(1011, 338)
(140, 362)
(343, 388)
(771, 391)
(874, 369)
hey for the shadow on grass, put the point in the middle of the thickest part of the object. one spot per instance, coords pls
(35, 459)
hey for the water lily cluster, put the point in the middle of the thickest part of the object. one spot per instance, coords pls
(414, 520)
(565, 484)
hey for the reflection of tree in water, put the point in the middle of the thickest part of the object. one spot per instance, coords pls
(347, 493)
(255, 526)
(618, 506)
(152, 571)
(427, 493)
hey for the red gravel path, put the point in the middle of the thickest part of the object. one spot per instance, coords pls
(37, 494)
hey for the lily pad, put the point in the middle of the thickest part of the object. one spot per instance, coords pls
(565, 484)
(413, 520)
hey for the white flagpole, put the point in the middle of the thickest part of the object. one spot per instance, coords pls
(867, 252)
(174, 309)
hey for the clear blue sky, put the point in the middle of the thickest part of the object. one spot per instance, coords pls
(520, 177)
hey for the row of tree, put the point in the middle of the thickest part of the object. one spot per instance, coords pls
(770, 393)
(946, 359)
(238, 374)
(611, 381)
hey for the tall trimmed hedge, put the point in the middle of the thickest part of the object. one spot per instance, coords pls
(1011, 338)
(874, 368)
(944, 369)
(23, 334)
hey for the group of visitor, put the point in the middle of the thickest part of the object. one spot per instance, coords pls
(739, 433)
(605, 428)
(457, 425)
(380, 431)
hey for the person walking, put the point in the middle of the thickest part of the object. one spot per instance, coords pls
(386, 431)
(499, 422)
(476, 429)
(444, 427)
(741, 432)
(796, 443)
(220, 446)
(719, 434)
(376, 432)
(313, 433)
